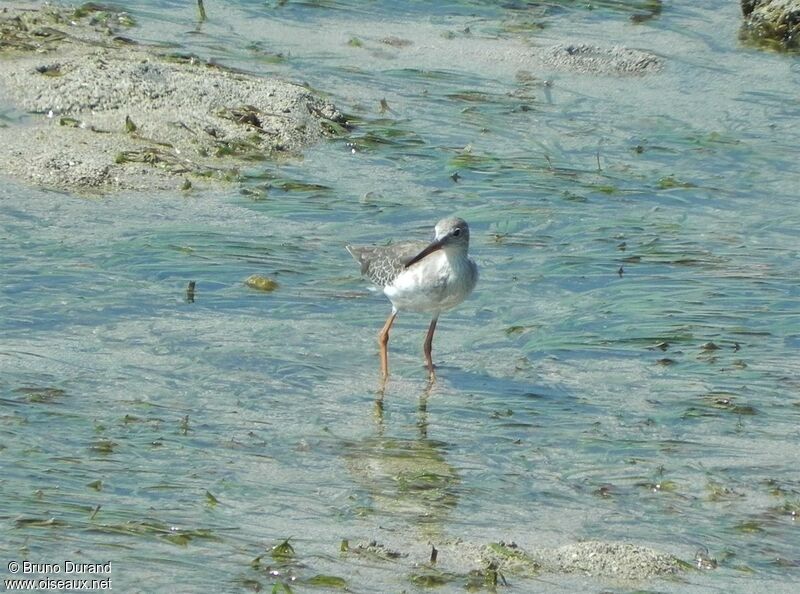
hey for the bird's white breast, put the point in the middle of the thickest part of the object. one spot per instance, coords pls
(437, 283)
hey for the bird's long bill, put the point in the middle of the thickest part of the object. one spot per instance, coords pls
(432, 247)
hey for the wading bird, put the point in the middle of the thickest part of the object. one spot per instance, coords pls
(415, 276)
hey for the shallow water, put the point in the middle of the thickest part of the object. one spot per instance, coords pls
(626, 370)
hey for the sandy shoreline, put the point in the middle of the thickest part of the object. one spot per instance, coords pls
(108, 113)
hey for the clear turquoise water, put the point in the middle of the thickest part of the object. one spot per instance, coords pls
(573, 402)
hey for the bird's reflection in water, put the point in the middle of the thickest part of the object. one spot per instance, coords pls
(406, 478)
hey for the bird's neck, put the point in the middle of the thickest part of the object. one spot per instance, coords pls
(455, 256)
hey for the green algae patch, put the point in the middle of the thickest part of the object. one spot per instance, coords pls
(669, 182)
(511, 558)
(104, 446)
(749, 527)
(326, 581)
(261, 283)
(433, 578)
(97, 485)
(211, 500)
(40, 395)
(38, 523)
(283, 551)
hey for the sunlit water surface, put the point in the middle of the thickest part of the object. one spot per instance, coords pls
(626, 369)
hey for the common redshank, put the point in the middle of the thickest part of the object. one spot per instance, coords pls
(422, 277)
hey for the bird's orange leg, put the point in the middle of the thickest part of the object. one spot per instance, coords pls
(383, 342)
(427, 348)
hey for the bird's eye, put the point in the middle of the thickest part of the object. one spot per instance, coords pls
(457, 232)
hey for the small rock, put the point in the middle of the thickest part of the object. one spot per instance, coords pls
(774, 23)
(591, 59)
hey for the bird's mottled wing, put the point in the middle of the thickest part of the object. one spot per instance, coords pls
(382, 264)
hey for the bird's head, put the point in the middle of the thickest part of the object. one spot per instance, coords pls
(449, 233)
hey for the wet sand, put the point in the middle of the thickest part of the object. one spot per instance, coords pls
(108, 113)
